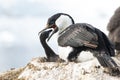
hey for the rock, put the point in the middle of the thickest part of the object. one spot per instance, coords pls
(11, 74)
(39, 69)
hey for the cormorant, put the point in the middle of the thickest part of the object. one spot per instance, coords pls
(81, 37)
(51, 55)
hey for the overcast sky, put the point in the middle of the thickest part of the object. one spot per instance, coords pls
(96, 12)
(21, 20)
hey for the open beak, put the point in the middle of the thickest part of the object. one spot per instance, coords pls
(42, 31)
(54, 30)
(47, 27)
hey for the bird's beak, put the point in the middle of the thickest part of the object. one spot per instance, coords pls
(54, 31)
(47, 27)
(42, 31)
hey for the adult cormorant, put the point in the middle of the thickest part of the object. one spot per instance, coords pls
(81, 37)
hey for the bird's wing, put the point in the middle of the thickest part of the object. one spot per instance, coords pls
(109, 45)
(104, 43)
(78, 35)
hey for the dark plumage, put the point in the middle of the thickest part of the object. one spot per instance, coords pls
(82, 37)
(51, 55)
(114, 29)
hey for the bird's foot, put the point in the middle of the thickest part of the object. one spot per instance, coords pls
(55, 58)
(113, 71)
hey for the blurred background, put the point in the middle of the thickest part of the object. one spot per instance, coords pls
(21, 20)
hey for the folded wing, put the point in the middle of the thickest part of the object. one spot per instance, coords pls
(78, 35)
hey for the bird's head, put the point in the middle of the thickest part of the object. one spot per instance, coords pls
(45, 34)
(58, 22)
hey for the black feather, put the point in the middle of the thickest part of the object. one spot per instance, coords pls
(84, 37)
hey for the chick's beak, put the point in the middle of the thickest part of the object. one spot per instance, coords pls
(47, 27)
(42, 31)
(54, 30)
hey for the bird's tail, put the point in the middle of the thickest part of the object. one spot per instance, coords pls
(106, 61)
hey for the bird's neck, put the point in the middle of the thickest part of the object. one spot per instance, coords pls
(49, 52)
(63, 22)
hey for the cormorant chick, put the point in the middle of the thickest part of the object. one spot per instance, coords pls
(51, 55)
